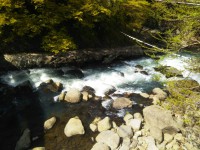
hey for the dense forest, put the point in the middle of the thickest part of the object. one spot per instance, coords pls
(61, 25)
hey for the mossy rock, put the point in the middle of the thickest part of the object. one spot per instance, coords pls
(189, 84)
(169, 71)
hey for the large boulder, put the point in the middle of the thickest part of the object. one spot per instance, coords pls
(109, 138)
(158, 117)
(122, 102)
(73, 96)
(25, 140)
(74, 127)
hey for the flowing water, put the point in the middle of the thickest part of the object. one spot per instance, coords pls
(122, 75)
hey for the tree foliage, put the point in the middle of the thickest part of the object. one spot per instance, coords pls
(61, 25)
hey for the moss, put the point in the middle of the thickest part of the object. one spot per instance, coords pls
(169, 71)
(184, 96)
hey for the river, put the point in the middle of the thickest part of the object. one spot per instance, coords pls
(121, 75)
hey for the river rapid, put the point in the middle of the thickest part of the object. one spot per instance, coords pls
(122, 75)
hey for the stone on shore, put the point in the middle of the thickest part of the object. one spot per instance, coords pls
(109, 138)
(100, 146)
(135, 124)
(104, 124)
(124, 131)
(74, 127)
(73, 96)
(48, 124)
(158, 117)
(160, 94)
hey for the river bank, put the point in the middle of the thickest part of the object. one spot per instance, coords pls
(78, 58)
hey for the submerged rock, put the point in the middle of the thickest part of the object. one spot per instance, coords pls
(25, 140)
(75, 73)
(122, 102)
(74, 127)
(50, 85)
(73, 96)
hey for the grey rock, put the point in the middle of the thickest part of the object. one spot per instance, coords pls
(25, 140)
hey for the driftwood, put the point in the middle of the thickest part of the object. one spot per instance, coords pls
(181, 2)
(140, 41)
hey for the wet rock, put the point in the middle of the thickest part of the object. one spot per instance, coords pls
(144, 72)
(73, 96)
(75, 73)
(25, 86)
(135, 124)
(124, 131)
(122, 102)
(110, 90)
(50, 85)
(109, 138)
(25, 140)
(74, 127)
(156, 133)
(169, 71)
(48, 124)
(104, 124)
(100, 146)
(88, 89)
(139, 67)
(158, 117)
(85, 96)
(160, 94)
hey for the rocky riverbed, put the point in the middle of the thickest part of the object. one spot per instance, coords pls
(128, 105)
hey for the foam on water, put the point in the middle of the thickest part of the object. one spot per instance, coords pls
(104, 78)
